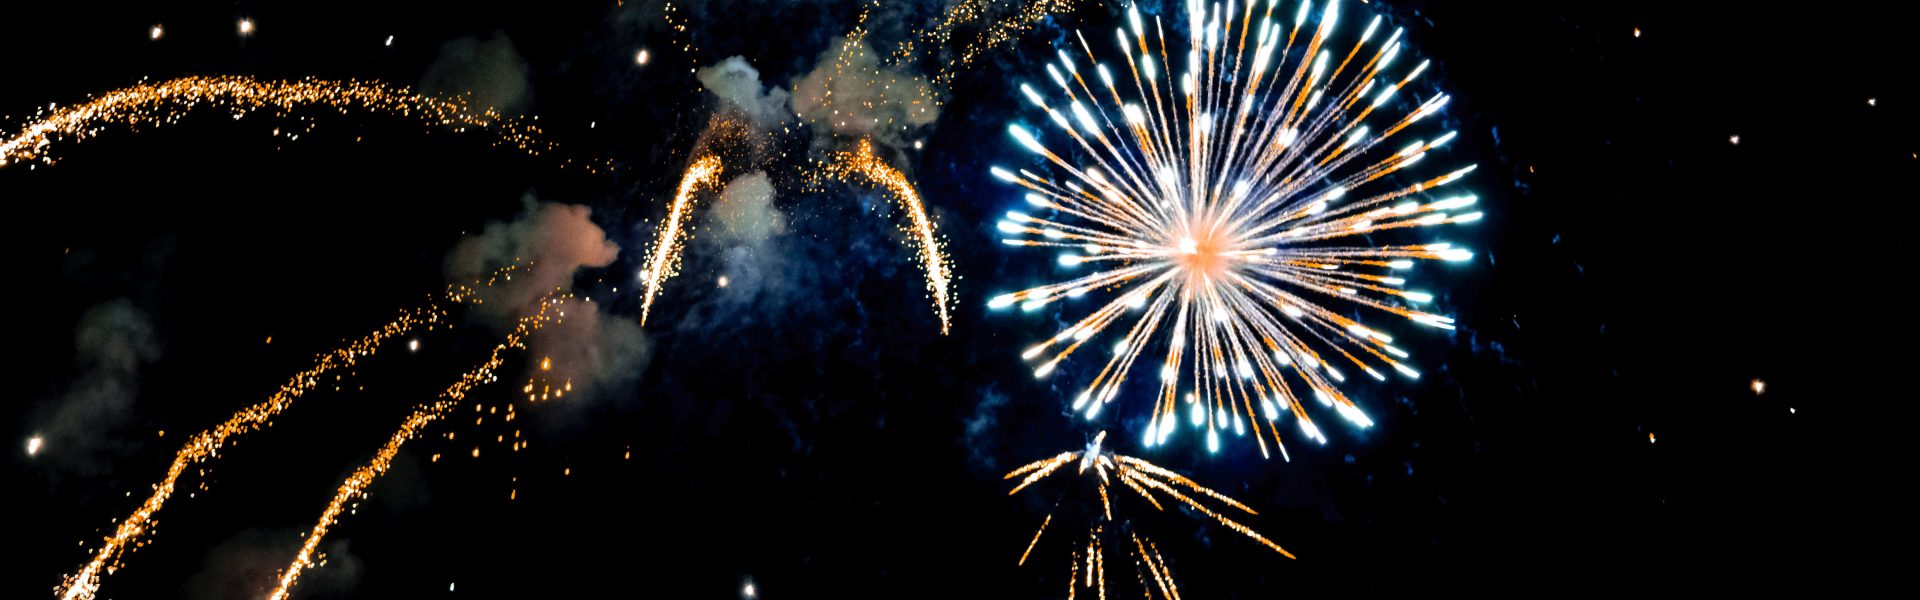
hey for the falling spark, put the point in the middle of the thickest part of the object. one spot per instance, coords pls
(246, 27)
(168, 102)
(1733, 139)
(1759, 387)
(207, 444)
(33, 445)
(704, 173)
(389, 41)
(1235, 207)
(355, 485)
(723, 281)
(641, 58)
(1103, 469)
(862, 164)
(155, 33)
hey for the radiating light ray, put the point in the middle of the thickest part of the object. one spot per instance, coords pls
(129, 532)
(668, 245)
(1101, 468)
(167, 102)
(426, 414)
(862, 164)
(1233, 204)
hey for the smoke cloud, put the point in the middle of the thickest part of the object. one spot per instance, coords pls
(489, 68)
(112, 343)
(586, 346)
(737, 84)
(851, 92)
(745, 211)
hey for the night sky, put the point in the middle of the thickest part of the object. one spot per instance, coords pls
(1678, 368)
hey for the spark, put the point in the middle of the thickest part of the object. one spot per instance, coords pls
(246, 27)
(723, 281)
(169, 102)
(1103, 469)
(413, 345)
(1237, 211)
(1759, 387)
(748, 591)
(389, 41)
(862, 164)
(1733, 139)
(33, 445)
(426, 414)
(641, 58)
(155, 33)
(128, 531)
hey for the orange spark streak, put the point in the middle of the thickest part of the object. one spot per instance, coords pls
(167, 102)
(207, 444)
(423, 415)
(667, 246)
(864, 164)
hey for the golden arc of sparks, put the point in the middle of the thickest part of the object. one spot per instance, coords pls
(355, 485)
(671, 241)
(1231, 206)
(167, 102)
(862, 164)
(1103, 469)
(205, 445)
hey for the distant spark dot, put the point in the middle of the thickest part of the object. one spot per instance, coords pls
(1650, 438)
(246, 27)
(641, 58)
(1636, 32)
(1791, 411)
(389, 40)
(1759, 387)
(748, 591)
(1873, 102)
(33, 445)
(1733, 139)
(413, 345)
(723, 281)
(156, 32)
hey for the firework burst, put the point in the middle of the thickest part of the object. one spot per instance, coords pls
(1107, 472)
(1233, 209)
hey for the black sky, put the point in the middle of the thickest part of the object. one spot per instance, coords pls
(1637, 269)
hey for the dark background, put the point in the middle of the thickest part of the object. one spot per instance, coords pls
(1635, 272)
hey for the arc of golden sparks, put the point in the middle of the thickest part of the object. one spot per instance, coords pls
(862, 164)
(859, 164)
(166, 102)
(1234, 206)
(1103, 469)
(355, 485)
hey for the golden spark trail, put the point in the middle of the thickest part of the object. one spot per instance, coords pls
(668, 244)
(1233, 205)
(207, 444)
(167, 102)
(1144, 479)
(355, 485)
(862, 163)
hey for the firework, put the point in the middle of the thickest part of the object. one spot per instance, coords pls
(668, 244)
(1234, 207)
(129, 532)
(1104, 469)
(169, 101)
(426, 414)
(862, 164)
(997, 24)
